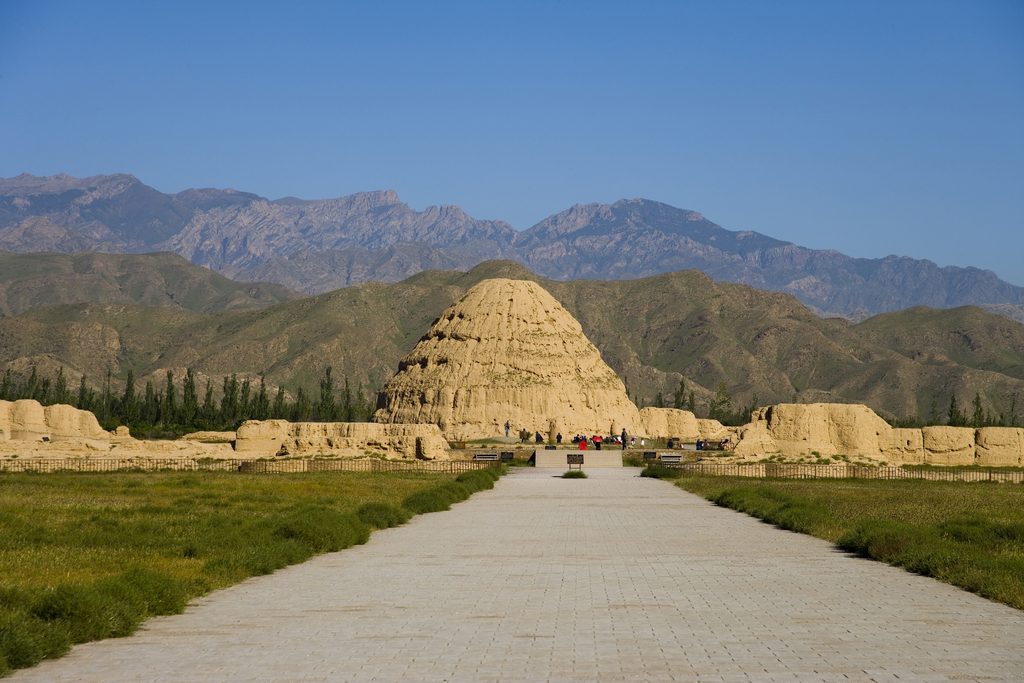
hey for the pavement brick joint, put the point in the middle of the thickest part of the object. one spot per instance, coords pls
(611, 578)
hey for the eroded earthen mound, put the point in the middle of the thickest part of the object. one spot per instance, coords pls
(27, 420)
(507, 351)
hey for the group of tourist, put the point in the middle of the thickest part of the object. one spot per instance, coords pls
(580, 440)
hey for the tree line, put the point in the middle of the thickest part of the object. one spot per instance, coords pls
(720, 406)
(975, 416)
(169, 408)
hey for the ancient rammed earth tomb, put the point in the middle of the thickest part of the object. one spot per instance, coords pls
(507, 351)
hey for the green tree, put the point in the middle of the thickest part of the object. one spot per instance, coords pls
(61, 394)
(280, 410)
(83, 402)
(189, 399)
(229, 401)
(303, 408)
(44, 395)
(365, 405)
(933, 419)
(954, 416)
(106, 412)
(31, 389)
(346, 406)
(326, 410)
(245, 401)
(130, 400)
(659, 400)
(1013, 410)
(169, 407)
(150, 405)
(209, 410)
(978, 417)
(261, 404)
(680, 395)
(721, 405)
(691, 402)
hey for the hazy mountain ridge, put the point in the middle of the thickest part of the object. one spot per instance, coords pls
(166, 280)
(651, 331)
(313, 245)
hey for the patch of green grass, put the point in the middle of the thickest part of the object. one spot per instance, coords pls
(658, 471)
(574, 474)
(968, 534)
(633, 461)
(87, 556)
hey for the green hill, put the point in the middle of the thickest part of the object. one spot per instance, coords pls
(652, 331)
(162, 279)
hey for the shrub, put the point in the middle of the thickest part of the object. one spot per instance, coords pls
(382, 515)
(422, 502)
(25, 641)
(775, 507)
(476, 480)
(322, 530)
(453, 491)
(575, 474)
(658, 471)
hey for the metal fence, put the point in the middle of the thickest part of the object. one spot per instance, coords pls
(235, 465)
(793, 471)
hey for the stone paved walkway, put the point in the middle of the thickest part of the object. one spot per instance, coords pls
(611, 578)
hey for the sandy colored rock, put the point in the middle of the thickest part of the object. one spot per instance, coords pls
(668, 423)
(345, 439)
(210, 437)
(507, 351)
(67, 422)
(948, 445)
(828, 428)
(23, 420)
(27, 420)
(902, 446)
(713, 429)
(754, 439)
(999, 446)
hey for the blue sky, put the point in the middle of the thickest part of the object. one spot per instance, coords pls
(868, 127)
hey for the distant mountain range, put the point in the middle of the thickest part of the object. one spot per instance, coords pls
(317, 246)
(652, 331)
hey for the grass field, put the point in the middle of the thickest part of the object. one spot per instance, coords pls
(968, 534)
(90, 556)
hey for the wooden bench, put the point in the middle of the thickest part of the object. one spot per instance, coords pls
(486, 456)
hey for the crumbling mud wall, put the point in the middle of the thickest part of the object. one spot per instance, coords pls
(345, 439)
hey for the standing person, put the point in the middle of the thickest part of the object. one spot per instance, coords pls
(559, 438)
(538, 437)
(523, 435)
(507, 427)
(623, 439)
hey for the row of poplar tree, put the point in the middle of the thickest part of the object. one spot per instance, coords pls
(720, 408)
(170, 408)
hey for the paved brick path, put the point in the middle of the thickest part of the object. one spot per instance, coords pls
(606, 579)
